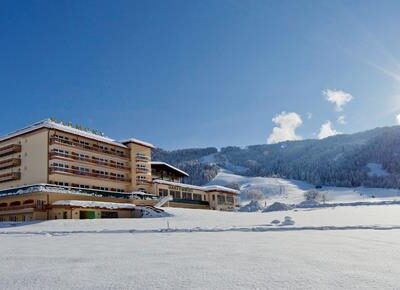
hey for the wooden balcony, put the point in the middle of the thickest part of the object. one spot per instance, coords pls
(6, 177)
(9, 163)
(71, 157)
(142, 182)
(54, 170)
(55, 140)
(10, 149)
(143, 159)
(19, 207)
(142, 170)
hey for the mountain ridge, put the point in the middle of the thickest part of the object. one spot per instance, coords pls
(340, 160)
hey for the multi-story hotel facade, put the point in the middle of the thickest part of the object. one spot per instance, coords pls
(70, 159)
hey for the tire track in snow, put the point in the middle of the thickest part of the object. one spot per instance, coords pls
(205, 230)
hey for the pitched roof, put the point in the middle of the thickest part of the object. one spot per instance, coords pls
(169, 166)
(137, 141)
(203, 188)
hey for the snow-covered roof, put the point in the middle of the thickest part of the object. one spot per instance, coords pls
(94, 204)
(220, 188)
(170, 166)
(137, 141)
(47, 123)
(202, 188)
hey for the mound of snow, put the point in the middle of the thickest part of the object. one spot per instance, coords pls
(252, 206)
(277, 206)
(287, 222)
(308, 204)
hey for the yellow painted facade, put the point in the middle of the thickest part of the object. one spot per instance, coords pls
(51, 153)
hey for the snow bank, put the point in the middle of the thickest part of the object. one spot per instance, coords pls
(252, 206)
(277, 206)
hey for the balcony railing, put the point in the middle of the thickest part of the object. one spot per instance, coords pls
(54, 155)
(19, 207)
(142, 158)
(142, 182)
(54, 170)
(13, 162)
(55, 140)
(10, 149)
(10, 176)
(142, 170)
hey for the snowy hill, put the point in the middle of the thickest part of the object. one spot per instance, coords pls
(370, 159)
(292, 191)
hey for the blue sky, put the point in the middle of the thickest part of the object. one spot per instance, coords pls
(200, 73)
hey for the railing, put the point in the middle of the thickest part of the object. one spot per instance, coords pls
(10, 149)
(13, 162)
(54, 170)
(23, 206)
(10, 176)
(142, 170)
(142, 182)
(53, 155)
(142, 159)
(54, 140)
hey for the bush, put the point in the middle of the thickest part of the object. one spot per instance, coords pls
(314, 195)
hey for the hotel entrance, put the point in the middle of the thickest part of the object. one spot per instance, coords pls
(85, 215)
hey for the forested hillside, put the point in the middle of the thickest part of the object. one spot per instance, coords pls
(370, 158)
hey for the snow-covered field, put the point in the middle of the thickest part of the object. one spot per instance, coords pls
(292, 191)
(325, 248)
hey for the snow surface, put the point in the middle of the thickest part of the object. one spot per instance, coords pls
(292, 191)
(376, 169)
(99, 204)
(330, 248)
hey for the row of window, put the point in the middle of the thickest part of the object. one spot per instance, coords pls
(84, 186)
(85, 157)
(84, 170)
(83, 143)
(180, 195)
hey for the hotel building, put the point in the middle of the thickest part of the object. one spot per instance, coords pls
(48, 167)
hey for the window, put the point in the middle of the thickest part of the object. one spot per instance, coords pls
(221, 199)
(109, 214)
(59, 165)
(61, 183)
(163, 192)
(196, 196)
(175, 194)
(186, 195)
(141, 178)
(229, 199)
(15, 203)
(63, 152)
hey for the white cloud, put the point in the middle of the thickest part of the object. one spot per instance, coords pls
(398, 119)
(286, 129)
(309, 115)
(337, 97)
(342, 120)
(327, 130)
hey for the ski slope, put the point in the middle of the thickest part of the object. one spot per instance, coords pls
(292, 191)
